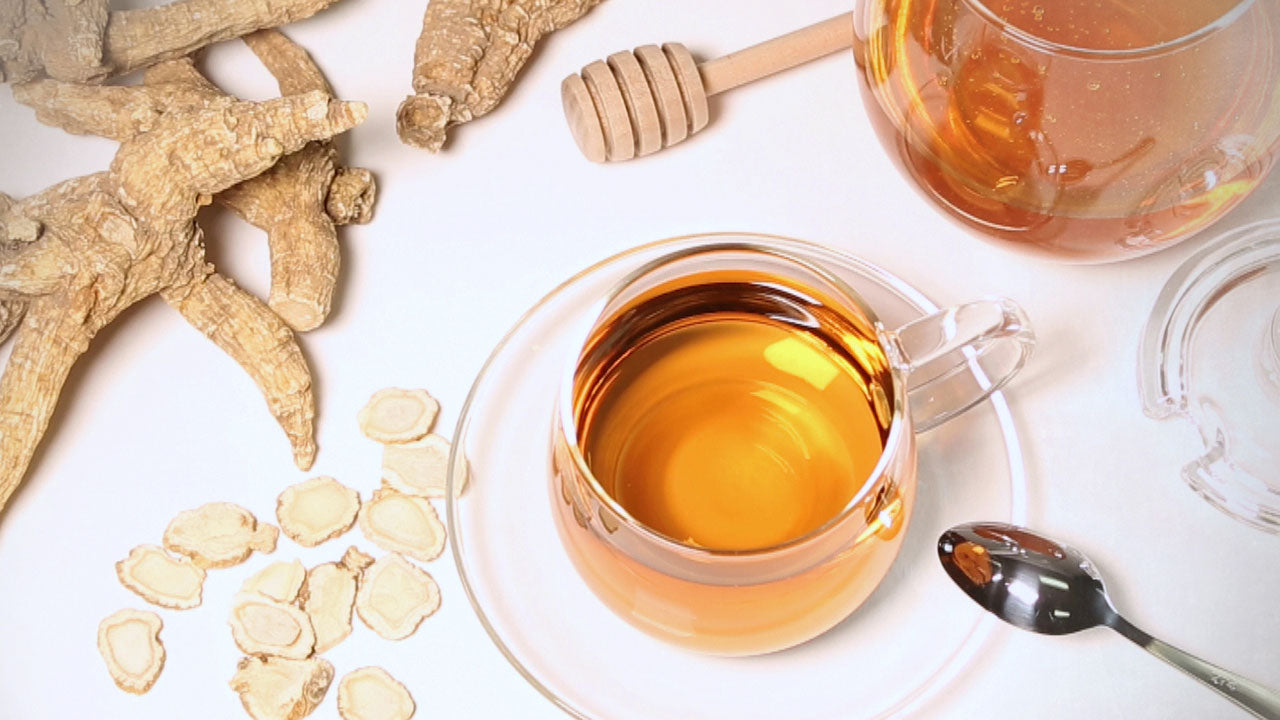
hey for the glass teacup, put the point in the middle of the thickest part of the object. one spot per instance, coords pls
(733, 452)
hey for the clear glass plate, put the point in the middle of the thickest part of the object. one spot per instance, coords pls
(911, 639)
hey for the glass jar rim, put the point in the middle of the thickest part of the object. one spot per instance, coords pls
(899, 423)
(1034, 41)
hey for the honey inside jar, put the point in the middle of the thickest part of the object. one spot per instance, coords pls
(1085, 129)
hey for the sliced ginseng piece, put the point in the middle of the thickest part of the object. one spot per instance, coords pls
(403, 523)
(262, 626)
(370, 693)
(160, 578)
(219, 535)
(420, 467)
(279, 581)
(273, 688)
(129, 641)
(396, 596)
(317, 510)
(355, 561)
(329, 596)
(394, 415)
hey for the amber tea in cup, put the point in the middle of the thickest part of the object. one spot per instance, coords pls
(729, 429)
(733, 460)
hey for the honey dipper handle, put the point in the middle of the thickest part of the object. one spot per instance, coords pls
(781, 53)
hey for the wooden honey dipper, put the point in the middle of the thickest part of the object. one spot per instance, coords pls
(636, 103)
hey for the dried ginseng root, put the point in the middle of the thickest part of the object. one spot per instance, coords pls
(262, 626)
(162, 579)
(219, 535)
(329, 595)
(468, 56)
(394, 415)
(273, 688)
(83, 251)
(370, 693)
(420, 467)
(280, 581)
(11, 311)
(298, 203)
(403, 523)
(396, 596)
(129, 641)
(81, 40)
(317, 510)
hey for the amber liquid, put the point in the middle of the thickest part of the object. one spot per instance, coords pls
(732, 432)
(1079, 151)
(734, 416)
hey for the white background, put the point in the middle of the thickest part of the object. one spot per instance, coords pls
(156, 419)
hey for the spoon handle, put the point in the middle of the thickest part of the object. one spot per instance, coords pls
(1257, 699)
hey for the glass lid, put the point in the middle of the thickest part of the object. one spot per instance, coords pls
(1211, 355)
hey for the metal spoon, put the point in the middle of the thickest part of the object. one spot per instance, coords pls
(1037, 584)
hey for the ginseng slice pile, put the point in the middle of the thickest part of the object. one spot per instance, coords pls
(285, 615)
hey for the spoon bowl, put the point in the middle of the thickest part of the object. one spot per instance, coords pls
(1028, 581)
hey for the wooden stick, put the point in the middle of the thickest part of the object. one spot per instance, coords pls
(781, 53)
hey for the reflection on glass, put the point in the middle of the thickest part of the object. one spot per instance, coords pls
(1089, 130)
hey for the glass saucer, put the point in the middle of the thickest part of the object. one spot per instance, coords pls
(911, 639)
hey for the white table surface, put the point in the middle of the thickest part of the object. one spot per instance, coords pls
(155, 419)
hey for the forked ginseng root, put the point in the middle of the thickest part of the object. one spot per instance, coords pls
(83, 251)
(298, 202)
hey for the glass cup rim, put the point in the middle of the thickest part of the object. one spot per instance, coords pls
(568, 425)
(1034, 41)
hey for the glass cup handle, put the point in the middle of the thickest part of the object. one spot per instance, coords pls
(955, 358)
